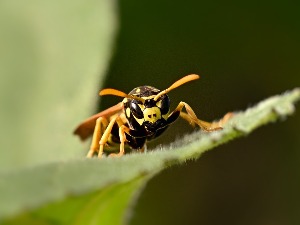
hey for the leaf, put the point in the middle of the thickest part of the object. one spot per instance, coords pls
(86, 209)
(93, 186)
(50, 52)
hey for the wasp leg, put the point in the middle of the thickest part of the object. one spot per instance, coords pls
(105, 136)
(122, 134)
(224, 120)
(101, 124)
(203, 124)
(191, 117)
(186, 116)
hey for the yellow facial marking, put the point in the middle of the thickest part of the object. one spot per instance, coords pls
(138, 90)
(140, 121)
(149, 97)
(141, 106)
(152, 114)
(128, 112)
(158, 104)
(125, 100)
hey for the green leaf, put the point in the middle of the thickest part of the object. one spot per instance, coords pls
(50, 52)
(86, 209)
(100, 190)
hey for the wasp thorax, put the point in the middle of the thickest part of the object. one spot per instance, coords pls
(152, 114)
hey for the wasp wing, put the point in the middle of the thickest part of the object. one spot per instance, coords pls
(86, 128)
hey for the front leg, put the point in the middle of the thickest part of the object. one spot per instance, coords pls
(101, 124)
(105, 136)
(191, 117)
(122, 135)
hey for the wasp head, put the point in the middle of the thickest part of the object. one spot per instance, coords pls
(147, 107)
(148, 113)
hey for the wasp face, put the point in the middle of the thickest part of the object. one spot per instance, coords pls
(150, 114)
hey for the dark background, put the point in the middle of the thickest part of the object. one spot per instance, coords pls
(244, 51)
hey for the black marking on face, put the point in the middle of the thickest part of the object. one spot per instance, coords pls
(165, 104)
(136, 110)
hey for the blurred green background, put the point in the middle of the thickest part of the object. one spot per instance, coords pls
(244, 51)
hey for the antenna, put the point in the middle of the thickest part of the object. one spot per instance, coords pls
(178, 83)
(110, 91)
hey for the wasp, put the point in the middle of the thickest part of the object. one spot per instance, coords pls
(143, 115)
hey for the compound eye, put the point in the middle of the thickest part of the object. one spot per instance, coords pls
(165, 105)
(136, 110)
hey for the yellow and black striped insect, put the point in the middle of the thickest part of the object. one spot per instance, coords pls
(144, 114)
